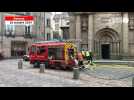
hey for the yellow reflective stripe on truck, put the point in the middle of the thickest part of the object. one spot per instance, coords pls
(69, 45)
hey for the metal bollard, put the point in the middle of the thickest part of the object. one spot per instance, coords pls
(76, 73)
(20, 64)
(133, 82)
(42, 68)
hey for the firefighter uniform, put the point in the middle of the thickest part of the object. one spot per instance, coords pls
(83, 53)
(91, 58)
(80, 58)
(87, 55)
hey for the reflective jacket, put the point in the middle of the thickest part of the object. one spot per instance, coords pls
(87, 54)
(83, 53)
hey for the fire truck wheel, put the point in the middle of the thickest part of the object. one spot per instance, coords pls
(63, 67)
(36, 64)
(70, 68)
(47, 64)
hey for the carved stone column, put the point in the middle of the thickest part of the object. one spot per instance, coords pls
(90, 32)
(125, 35)
(78, 31)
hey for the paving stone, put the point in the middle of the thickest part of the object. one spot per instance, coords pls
(10, 76)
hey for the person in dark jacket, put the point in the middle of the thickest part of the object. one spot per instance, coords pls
(80, 59)
(87, 56)
(91, 57)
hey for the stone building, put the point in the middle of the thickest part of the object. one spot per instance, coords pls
(61, 25)
(16, 38)
(42, 26)
(109, 35)
(48, 26)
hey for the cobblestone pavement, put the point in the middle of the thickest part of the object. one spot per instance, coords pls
(114, 60)
(115, 72)
(10, 76)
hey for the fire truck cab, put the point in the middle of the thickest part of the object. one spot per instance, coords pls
(53, 54)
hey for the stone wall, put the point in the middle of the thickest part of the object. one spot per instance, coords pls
(7, 45)
(131, 43)
(19, 31)
(108, 20)
(7, 48)
(116, 21)
(72, 29)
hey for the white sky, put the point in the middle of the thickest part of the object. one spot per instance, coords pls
(56, 12)
(53, 13)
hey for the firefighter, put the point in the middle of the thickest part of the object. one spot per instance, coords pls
(75, 61)
(88, 56)
(91, 57)
(83, 53)
(80, 59)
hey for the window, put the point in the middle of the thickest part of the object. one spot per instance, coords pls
(56, 35)
(59, 54)
(33, 49)
(84, 23)
(40, 50)
(10, 30)
(131, 22)
(65, 33)
(48, 22)
(27, 29)
(56, 53)
(48, 36)
(67, 23)
(56, 26)
(71, 53)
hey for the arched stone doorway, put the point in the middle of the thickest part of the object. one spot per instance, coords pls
(107, 44)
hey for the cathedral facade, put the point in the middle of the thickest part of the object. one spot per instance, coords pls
(109, 35)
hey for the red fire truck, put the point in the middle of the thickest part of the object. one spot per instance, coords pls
(54, 54)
